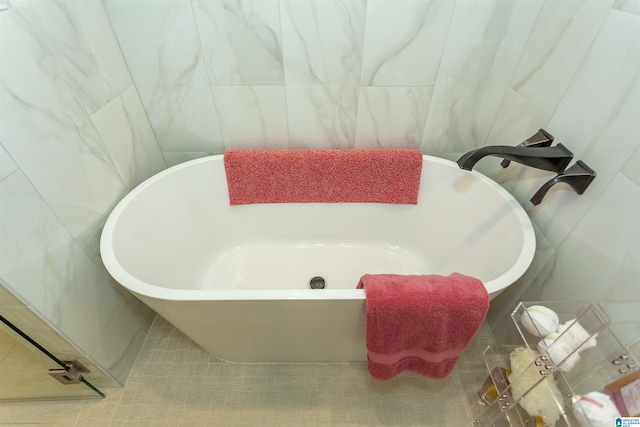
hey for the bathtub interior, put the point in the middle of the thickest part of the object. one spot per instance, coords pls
(177, 231)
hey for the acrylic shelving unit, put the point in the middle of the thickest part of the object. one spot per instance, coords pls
(599, 365)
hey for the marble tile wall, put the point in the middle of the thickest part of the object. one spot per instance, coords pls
(220, 74)
(441, 76)
(579, 78)
(596, 235)
(74, 138)
(196, 77)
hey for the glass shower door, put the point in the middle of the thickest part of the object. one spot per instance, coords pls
(28, 371)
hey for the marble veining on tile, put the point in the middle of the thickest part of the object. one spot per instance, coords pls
(630, 6)
(631, 169)
(609, 228)
(117, 349)
(161, 45)
(404, 42)
(252, 116)
(322, 116)
(80, 34)
(323, 41)
(481, 53)
(48, 132)
(241, 41)
(42, 263)
(555, 50)
(7, 165)
(129, 139)
(392, 117)
(604, 97)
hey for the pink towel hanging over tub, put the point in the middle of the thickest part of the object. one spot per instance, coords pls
(420, 324)
(330, 176)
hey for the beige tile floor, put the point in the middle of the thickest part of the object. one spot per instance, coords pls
(23, 373)
(175, 383)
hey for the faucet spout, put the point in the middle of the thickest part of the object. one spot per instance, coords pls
(553, 159)
(578, 176)
(542, 138)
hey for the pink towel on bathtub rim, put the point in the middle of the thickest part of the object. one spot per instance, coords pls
(329, 176)
(422, 323)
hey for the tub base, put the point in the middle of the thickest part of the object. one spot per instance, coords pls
(271, 331)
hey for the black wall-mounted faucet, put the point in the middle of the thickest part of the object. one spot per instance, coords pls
(537, 152)
(534, 152)
(542, 138)
(578, 176)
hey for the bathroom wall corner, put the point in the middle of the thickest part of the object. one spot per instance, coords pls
(527, 288)
(121, 342)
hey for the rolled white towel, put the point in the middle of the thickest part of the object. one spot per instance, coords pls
(558, 351)
(596, 409)
(540, 321)
(576, 335)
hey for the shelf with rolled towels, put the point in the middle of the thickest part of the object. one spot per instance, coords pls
(560, 364)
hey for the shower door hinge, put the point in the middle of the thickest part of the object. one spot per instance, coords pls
(73, 375)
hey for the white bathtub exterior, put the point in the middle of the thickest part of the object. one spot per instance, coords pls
(235, 278)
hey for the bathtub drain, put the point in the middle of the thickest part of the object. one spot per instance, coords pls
(317, 282)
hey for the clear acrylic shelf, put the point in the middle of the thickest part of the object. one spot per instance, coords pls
(582, 355)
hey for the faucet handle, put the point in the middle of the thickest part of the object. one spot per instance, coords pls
(579, 177)
(542, 138)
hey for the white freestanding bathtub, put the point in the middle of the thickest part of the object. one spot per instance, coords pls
(236, 279)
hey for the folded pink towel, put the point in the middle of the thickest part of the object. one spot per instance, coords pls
(420, 324)
(296, 176)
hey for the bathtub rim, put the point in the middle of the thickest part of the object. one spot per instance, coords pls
(137, 286)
